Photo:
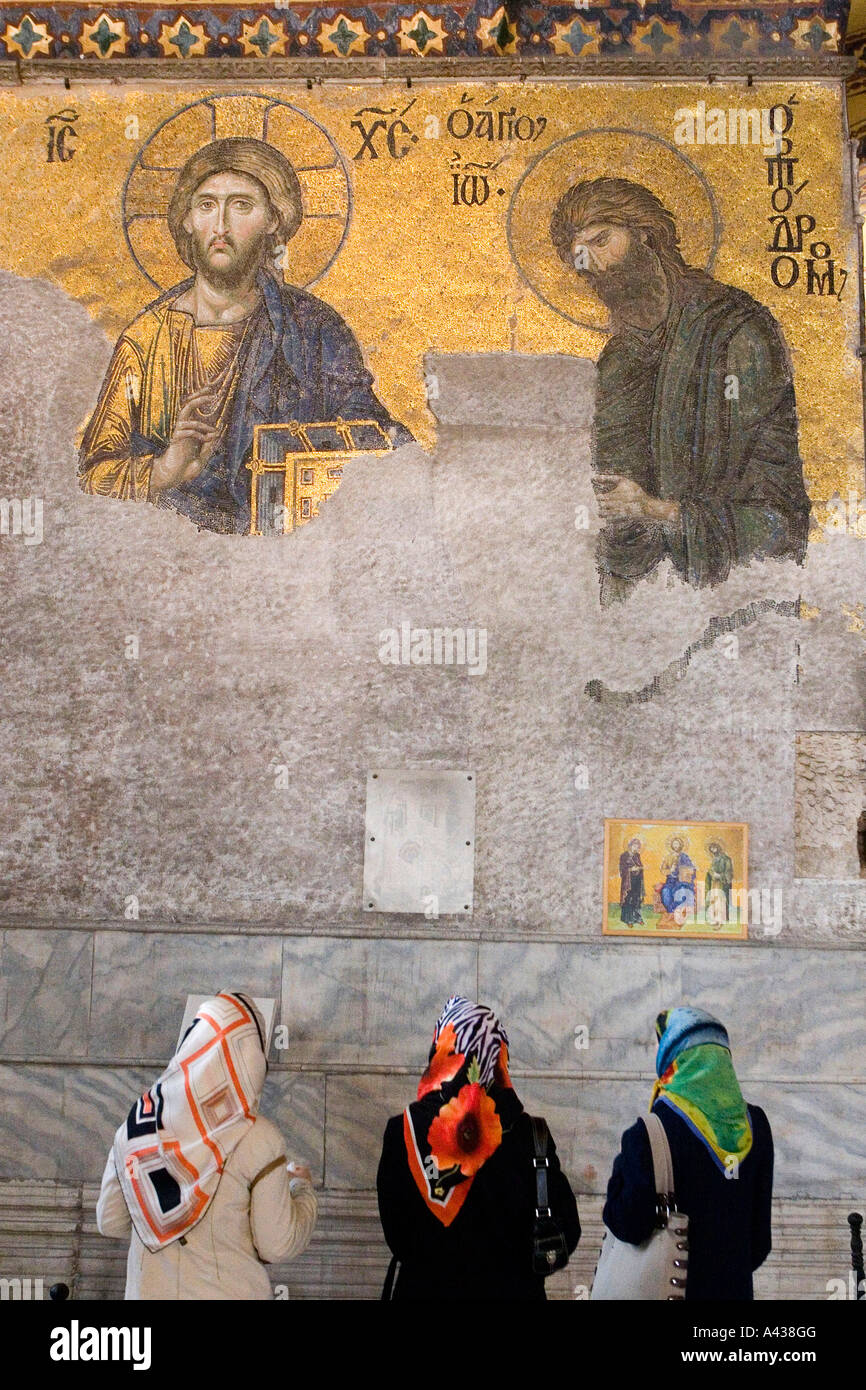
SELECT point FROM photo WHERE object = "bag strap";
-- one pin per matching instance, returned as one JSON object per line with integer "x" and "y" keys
{"x": 268, "y": 1168}
{"x": 388, "y": 1289}
{"x": 541, "y": 1164}
{"x": 663, "y": 1168}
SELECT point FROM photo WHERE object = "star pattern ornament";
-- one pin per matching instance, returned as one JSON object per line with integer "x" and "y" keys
{"x": 818, "y": 35}
{"x": 343, "y": 36}
{"x": 264, "y": 38}
{"x": 421, "y": 34}
{"x": 575, "y": 39}
{"x": 658, "y": 37}
{"x": 27, "y": 38}
{"x": 182, "y": 39}
{"x": 665, "y": 33}
{"x": 104, "y": 37}
{"x": 731, "y": 35}
{"x": 497, "y": 32}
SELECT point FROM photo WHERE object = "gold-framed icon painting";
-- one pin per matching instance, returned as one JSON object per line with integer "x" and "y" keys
{"x": 676, "y": 878}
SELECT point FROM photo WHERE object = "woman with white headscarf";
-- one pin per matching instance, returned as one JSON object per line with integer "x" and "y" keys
{"x": 197, "y": 1179}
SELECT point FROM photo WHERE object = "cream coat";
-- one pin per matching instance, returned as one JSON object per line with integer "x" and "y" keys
{"x": 247, "y": 1222}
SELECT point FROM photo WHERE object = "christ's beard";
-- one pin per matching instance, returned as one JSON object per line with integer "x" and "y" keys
{"x": 634, "y": 290}
{"x": 239, "y": 271}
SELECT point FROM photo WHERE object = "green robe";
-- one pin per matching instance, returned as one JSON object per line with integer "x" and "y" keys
{"x": 730, "y": 457}
{"x": 723, "y": 867}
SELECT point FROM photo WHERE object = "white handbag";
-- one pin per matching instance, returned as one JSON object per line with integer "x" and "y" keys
{"x": 658, "y": 1267}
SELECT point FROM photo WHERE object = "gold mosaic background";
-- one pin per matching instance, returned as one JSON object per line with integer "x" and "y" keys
{"x": 418, "y": 274}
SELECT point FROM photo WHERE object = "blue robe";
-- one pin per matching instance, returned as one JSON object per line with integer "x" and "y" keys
{"x": 300, "y": 361}
{"x": 676, "y": 893}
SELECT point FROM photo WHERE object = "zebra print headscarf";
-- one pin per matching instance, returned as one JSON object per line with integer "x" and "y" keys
{"x": 477, "y": 1033}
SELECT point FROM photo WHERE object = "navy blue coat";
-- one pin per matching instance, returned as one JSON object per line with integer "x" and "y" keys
{"x": 729, "y": 1218}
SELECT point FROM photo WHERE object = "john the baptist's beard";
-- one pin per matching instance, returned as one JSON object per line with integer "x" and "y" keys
{"x": 228, "y": 273}
{"x": 637, "y": 279}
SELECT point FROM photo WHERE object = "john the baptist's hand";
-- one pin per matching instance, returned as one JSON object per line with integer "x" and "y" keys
{"x": 620, "y": 497}
{"x": 192, "y": 442}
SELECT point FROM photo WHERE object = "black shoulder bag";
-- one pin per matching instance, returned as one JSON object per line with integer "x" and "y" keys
{"x": 549, "y": 1250}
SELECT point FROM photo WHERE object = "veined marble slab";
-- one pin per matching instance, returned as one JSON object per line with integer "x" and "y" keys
{"x": 45, "y": 980}
{"x": 141, "y": 980}
{"x": 59, "y": 1123}
{"x": 373, "y": 1002}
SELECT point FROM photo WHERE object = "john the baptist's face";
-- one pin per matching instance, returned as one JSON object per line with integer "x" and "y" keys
{"x": 599, "y": 246}
{"x": 229, "y": 222}
{"x": 615, "y": 260}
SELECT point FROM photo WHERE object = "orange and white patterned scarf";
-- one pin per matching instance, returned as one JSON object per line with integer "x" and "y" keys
{"x": 171, "y": 1150}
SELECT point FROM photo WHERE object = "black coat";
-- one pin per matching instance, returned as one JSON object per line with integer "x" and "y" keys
{"x": 729, "y": 1218}
{"x": 486, "y": 1252}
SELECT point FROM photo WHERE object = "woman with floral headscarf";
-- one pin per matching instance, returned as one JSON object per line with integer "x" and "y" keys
{"x": 196, "y": 1179}
{"x": 722, "y": 1154}
{"x": 456, "y": 1182}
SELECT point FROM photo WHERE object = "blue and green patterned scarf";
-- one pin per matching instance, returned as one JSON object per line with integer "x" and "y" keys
{"x": 696, "y": 1077}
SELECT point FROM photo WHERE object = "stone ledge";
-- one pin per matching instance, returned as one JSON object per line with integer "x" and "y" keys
{"x": 347, "y": 1257}
{"x": 319, "y": 928}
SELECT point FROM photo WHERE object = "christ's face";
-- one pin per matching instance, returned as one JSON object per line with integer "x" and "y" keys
{"x": 229, "y": 222}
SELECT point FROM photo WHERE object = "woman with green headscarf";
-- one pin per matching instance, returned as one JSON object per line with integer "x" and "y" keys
{"x": 722, "y": 1154}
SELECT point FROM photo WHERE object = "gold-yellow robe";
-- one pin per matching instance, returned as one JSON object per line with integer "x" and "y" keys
{"x": 158, "y": 361}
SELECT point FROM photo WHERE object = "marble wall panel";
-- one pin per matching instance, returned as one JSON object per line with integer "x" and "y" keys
{"x": 141, "y": 980}
{"x": 45, "y": 979}
{"x": 358, "y": 1109}
{"x": 585, "y": 1118}
{"x": 295, "y": 1101}
{"x": 790, "y": 1014}
{"x": 59, "y": 1122}
{"x": 369, "y": 1002}
{"x": 818, "y": 1135}
{"x": 544, "y": 992}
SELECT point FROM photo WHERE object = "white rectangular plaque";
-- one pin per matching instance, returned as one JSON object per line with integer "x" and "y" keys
{"x": 419, "y": 849}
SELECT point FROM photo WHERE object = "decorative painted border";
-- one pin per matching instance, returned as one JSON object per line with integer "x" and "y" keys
{"x": 653, "y": 31}
{"x": 855, "y": 45}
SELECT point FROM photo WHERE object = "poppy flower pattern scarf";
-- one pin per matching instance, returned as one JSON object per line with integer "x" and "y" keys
{"x": 455, "y": 1126}
{"x": 171, "y": 1149}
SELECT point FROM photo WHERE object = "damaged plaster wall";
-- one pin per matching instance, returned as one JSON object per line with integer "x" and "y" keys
{"x": 155, "y": 780}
